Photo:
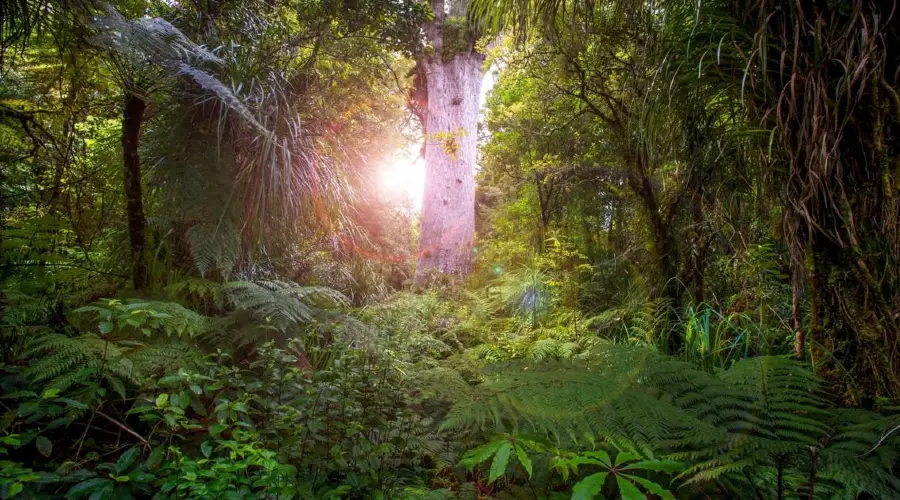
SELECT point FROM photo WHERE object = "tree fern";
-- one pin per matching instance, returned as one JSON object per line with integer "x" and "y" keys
{"x": 281, "y": 304}
{"x": 760, "y": 419}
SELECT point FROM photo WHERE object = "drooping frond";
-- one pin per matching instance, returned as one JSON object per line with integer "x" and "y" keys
{"x": 281, "y": 166}
{"x": 615, "y": 395}
{"x": 280, "y": 303}
{"x": 214, "y": 247}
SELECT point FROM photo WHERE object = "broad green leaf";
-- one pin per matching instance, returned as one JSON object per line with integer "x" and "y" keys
{"x": 206, "y": 449}
{"x": 655, "y": 488}
{"x": 155, "y": 458}
{"x": 170, "y": 379}
{"x": 106, "y": 327}
{"x": 524, "y": 459}
{"x": 482, "y": 453}
{"x": 15, "y": 489}
{"x": 44, "y": 446}
{"x": 216, "y": 429}
{"x": 625, "y": 456}
{"x": 501, "y": 461}
{"x": 628, "y": 490}
{"x": 589, "y": 487}
{"x": 600, "y": 455}
{"x": 104, "y": 492}
{"x": 85, "y": 487}
{"x": 127, "y": 459}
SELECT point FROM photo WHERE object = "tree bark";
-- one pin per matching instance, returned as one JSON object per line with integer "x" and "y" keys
{"x": 132, "y": 118}
{"x": 453, "y": 81}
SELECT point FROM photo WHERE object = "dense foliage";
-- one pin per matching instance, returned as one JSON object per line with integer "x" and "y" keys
{"x": 685, "y": 280}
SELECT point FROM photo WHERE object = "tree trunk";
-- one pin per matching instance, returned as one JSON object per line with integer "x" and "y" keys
{"x": 453, "y": 81}
{"x": 134, "y": 203}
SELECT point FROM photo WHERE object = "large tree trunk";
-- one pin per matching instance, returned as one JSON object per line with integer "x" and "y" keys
{"x": 453, "y": 84}
{"x": 132, "y": 117}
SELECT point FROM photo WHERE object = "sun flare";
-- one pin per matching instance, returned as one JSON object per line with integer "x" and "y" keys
{"x": 402, "y": 177}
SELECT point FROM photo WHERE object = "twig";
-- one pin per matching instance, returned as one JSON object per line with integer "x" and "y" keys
{"x": 125, "y": 428}
{"x": 881, "y": 441}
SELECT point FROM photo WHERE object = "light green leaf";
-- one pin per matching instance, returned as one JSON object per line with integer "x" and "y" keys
{"x": 15, "y": 489}
{"x": 476, "y": 456}
{"x": 162, "y": 399}
{"x": 628, "y": 490}
{"x": 501, "y": 461}
{"x": 589, "y": 487}
{"x": 50, "y": 393}
{"x": 524, "y": 459}
{"x": 206, "y": 449}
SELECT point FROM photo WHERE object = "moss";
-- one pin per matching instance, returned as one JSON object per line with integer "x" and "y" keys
{"x": 457, "y": 38}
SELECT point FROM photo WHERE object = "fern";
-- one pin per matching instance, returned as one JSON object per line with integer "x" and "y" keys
{"x": 641, "y": 322}
{"x": 758, "y": 419}
{"x": 61, "y": 358}
{"x": 280, "y": 304}
{"x": 214, "y": 247}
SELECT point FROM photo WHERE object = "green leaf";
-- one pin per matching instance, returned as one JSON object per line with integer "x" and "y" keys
{"x": 50, "y": 393}
{"x": 106, "y": 327}
{"x": 44, "y": 445}
{"x": 501, "y": 461}
{"x": 85, "y": 487}
{"x": 116, "y": 385}
{"x": 59, "y": 422}
{"x": 628, "y": 490}
{"x": 669, "y": 466}
{"x": 162, "y": 399}
{"x": 15, "y": 489}
{"x": 7, "y": 420}
{"x": 624, "y": 456}
{"x": 127, "y": 459}
{"x": 476, "y": 456}
{"x": 216, "y": 429}
{"x": 155, "y": 458}
{"x": 104, "y": 492}
{"x": 206, "y": 449}
{"x": 655, "y": 488}
{"x": 523, "y": 458}
{"x": 19, "y": 395}
{"x": 600, "y": 455}
{"x": 589, "y": 487}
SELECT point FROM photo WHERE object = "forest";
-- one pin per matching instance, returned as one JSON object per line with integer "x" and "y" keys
{"x": 655, "y": 253}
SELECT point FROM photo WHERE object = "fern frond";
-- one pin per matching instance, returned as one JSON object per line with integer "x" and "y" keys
{"x": 214, "y": 247}
{"x": 280, "y": 303}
